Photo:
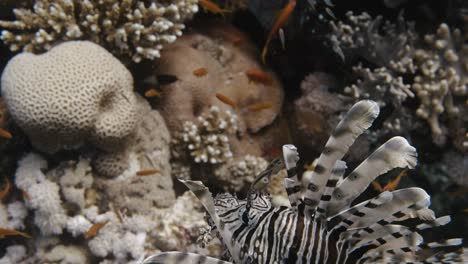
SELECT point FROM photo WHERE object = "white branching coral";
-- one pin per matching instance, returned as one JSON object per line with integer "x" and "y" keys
{"x": 361, "y": 35}
{"x": 379, "y": 84}
{"x": 128, "y": 28}
{"x": 433, "y": 69}
{"x": 207, "y": 141}
{"x": 239, "y": 173}
{"x": 180, "y": 225}
{"x": 442, "y": 78}
{"x": 50, "y": 215}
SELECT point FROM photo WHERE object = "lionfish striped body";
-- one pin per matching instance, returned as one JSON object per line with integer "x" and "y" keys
{"x": 321, "y": 225}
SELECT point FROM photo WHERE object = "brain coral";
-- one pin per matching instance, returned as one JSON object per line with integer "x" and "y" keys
{"x": 76, "y": 92}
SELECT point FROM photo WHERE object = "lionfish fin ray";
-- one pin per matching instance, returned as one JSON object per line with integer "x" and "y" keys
{"x": 356, "y": 121}
{"x": 395, "y": 153}
{"x": 206, "y": 198}
{"x": 175, "y": 257}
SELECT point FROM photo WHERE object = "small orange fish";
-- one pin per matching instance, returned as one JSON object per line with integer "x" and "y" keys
{"x": 272, "y": 152}
{"x": 146, "y": 172}
{"x": 152, "y": 93}
{"x": 212, "y": 7}
{"x": 259, "y": 106}
{"x": 377, "y": 186}
{"x": 465, "y": 210}
{"x": 259, "y": 76}
{"x": 94, "y": 229}
{"x": 200, "y": 72}
{"x": 280, "y": 21}
{"x": 11, "y": 232}
{"x": 391, "y": 186}
{"x": 5, "y": 134}
{"x": 309, "y": 167}
{"x": 237, "y": 41}
{"x": 226, "y": 100}
{"x": 5, "y": 190}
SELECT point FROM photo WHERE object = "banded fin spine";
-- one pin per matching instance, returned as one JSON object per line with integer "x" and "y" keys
{"x": 180, "y": 258}
{"x": 291, "y": 183}
{"x": 395, "y": 153}
{"x": 356, "y": 121}
{"x": 336, "y": 175}
{"x": 206, "y": 198}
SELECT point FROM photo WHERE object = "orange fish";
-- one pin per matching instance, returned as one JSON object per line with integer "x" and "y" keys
{"x": 465, "y": 210}
{"x": 5, "y": 134}
{"x": 377, "y": 186}
{"x": 152, "y": 93}
{"x": 391, "y": 185}
{"x": 226, "y": 100}
{"x": 237, "y": 41}
{"x": 94, "y": 229}
{"x": 259, "y": 106}
{"x": 6, "y": 190}
{"x": 212, "y": 7}
{"x": 259, "y": 76}
{"x": 200, "y": 72}
{"x": 11, "y": 232}
{"x": 272, "y": 152}
{"x": 146, "y": 172}
{"x": 309, "y": 167}
{"x": 280, "y": 21}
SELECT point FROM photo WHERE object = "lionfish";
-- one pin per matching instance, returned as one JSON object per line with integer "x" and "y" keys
{"x": 321, "y": 225}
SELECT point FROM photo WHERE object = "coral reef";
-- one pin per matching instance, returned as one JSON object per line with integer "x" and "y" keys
{"x": 436, "y": 65}
{"x": 128, "y": 28}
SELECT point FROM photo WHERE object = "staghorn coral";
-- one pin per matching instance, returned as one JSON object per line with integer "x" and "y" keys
{"x": 237, "y": 174}
{"x": 442, "y": 79}
{"x": 128, "y": 28}
{"x": 207, "y": 140}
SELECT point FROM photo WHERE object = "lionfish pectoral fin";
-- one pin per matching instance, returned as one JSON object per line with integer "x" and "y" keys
{"x": 175, "y": 257}
{"x": 291, "y": 183}
{"x": 356, "y": 121}
{"x": 395, "y": 153}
